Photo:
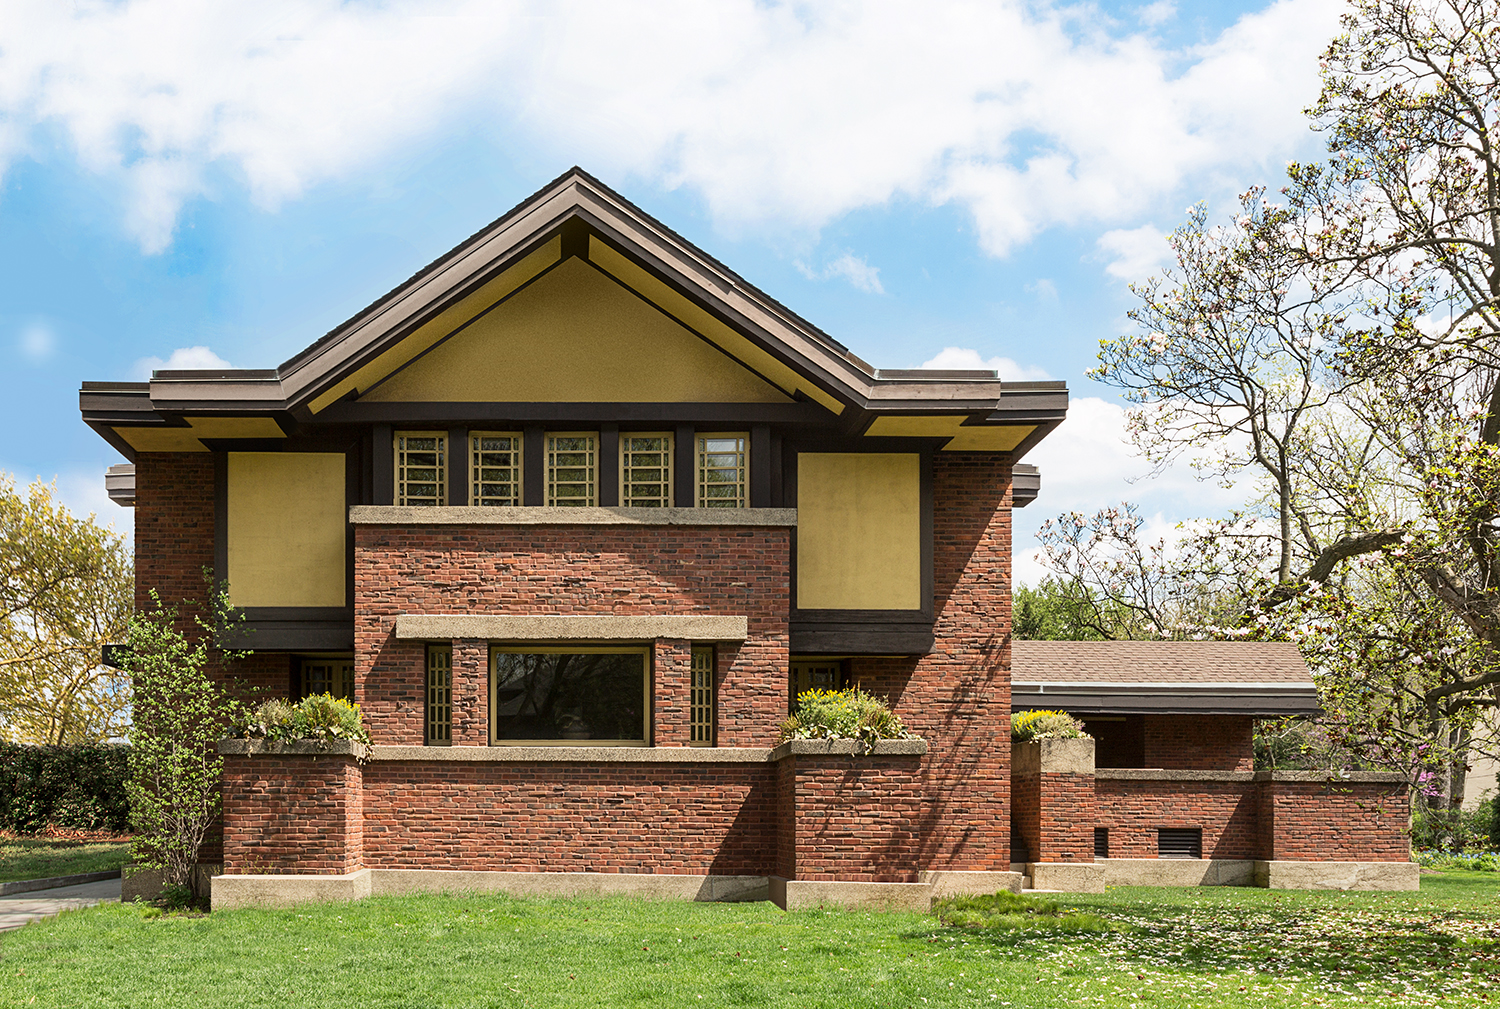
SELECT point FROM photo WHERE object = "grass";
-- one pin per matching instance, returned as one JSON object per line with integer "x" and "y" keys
{"x": 1012, "y": 912}
{"x": 40, "y": 857}
{"x": 1211, "y": 948}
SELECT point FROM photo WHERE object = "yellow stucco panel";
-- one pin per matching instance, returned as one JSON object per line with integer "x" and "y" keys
{"x": 961, "y": 439}
{"x": 444, "y": 323}
{"x": 286, "y": 529}
{"x": 859, "y": 531}
{"x": 576, "y": 335}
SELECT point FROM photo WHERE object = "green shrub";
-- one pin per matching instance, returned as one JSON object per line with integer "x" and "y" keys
{"x": 1454, "y": 829}
{"x": 842, "y": 714}
{"x": 318, "y": 716}
{"x": 1006, "y": 911}
{"x": 80, "y": 786}
{"x": 1476, "y": 861}
{"x": 1026, "y": 726}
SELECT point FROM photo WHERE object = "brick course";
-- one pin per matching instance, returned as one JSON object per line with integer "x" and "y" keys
{"x": 1335, "y": 821}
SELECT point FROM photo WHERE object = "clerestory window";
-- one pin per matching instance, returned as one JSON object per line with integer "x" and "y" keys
{"x": 573, "y": 469}
{"x": 495, "y": 468}
{"x": 421, "y": 468}
{"x": 646, "y": 470}
{"x": 723, "y": 471}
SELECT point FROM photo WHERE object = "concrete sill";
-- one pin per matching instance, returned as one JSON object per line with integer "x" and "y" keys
{"x": 293, "y": 747}
{"x": 848, "y": 748}
{"x": 456, "y": 515}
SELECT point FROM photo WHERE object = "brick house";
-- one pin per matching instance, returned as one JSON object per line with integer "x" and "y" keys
{"x": 573, "y": 514}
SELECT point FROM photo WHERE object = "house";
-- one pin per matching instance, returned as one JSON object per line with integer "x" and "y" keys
{"x": 573, "y": 514}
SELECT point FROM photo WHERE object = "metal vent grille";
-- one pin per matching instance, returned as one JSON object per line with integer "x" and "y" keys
{"x": 1179, "y": 842}
{"x": 1101, "y": 842}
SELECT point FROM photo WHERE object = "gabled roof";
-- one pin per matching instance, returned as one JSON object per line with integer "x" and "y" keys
{"x": 576, "y": 215}
{"x": 1122, "y": 677}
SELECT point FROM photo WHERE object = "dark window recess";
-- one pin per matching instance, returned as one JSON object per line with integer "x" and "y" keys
{"x": 1119, "y": 741}
{"x": 1179, "y": 842}
{"x": 1101, "y": 842}
{"x": 569, "y": 696}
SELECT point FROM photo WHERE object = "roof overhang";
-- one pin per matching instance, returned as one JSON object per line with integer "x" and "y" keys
{"x": 1266, "y": 700}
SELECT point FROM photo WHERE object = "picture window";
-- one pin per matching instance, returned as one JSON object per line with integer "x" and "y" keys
{"x": 569, "y": 696}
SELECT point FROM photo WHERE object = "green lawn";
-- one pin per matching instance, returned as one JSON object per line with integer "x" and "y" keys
{"x": 1214, "y": 948}
{"x": 39, "y": 857}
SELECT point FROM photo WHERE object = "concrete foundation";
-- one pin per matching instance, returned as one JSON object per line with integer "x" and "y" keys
{"x": 1177, "y": 871}
{"x": 1337, "y": 875}
{"x": 801, "y": 894}
{"x": 1074, "y": 877}
{"x": 950, "y": 883}
{"x": 145, "y": 884}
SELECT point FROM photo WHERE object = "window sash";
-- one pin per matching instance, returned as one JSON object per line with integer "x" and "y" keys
{"x": 701, "y": 697}
{"x": 495, "y": 463}
{"x": 421, "y": 468}
{"x": 572, "y": 469}
{"x": 513, "y": 699}
{"x": 723, "y": 470}
{"x": 439, "y": 731}
{"x": 646, "y": 470}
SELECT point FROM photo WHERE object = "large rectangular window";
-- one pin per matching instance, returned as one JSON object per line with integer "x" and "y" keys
{"x": 723, "y": 471}
{"x": 421, "y": 468}
{"x": 701, "y": 700}
{"x": 326, "y": 676}
{"x": 646, "y": 470}
{"x": 439, "y": 695}
{"x": 569, "y": 696}
{"x": 572, "y": 469}
{"x": 495, "y": 466}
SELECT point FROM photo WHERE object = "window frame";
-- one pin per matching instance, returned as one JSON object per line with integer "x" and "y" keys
{"x": 432, "y": 652}
{"x": 518, "y": 468}
{"x": 646, "y": 651}
{"x": 703, "y": 697}
{"x": 398, "y": 475}
{"x": 340, "y": 677}
{"x": 667, "y": 453}
{"x": 701, "y": 469}
{"x": 550, "y": 466}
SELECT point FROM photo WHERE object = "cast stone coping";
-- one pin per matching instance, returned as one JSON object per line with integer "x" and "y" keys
{"x": 499, "y": 627}
{"x": 470, "y": 515}
{"x": 575, "y": 754}
{"x": 1316, "y": 777}
{"x": 294, "y": 747}
{"x": 849, "y": 747}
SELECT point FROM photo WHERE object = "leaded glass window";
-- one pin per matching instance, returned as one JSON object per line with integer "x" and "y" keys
{"x": 421, "y": 468}
{"x": 572, "y": 469}
{"x": 723, "y": 480}
{"x": 495, "y": 466}
{"x": 646, "y": 470}
{"x": 701, "y": 700}
{"x": 439, "y": 694}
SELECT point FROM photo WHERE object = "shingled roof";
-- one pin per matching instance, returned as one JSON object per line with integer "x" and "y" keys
{"x": 1161, "y": 677}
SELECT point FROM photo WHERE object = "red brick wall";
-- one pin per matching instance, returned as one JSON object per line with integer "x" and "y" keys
{"x": 854, "y": 818}
{"x": 717, "y": 819}
{"x": 586, "y": 570}
{"x": 174, "y": 526}
{"x": 1055, "y": 816}
{"x": 1133, "y": 810}
{"x": 1200, "y": 742}
{"x": 958, "y": 698}
{"x": 292, "y": 814}
{"x": 671, "y": 693}
{"x": 1335, "y": 821}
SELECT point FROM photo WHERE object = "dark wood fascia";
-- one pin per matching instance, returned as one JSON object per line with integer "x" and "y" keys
{"x": 110, "y": 435}
{"x": 1031, "y": 440}
{"x": 684, "y": 465}
{"x": 292, "y": 629}
{"x": 860, "y": 639}
{"x": 608, "y": 480}
{"x": 801, "y": 414}
{"x": 221, "y": 518}
{"x": 458, "y": 465}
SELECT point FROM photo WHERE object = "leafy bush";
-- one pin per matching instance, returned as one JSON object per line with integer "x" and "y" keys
{"x": 1476, "y": 861}
{"x": 1006, "y": 911}
{"x": 842, "y": 714}
{"x": 1454, "y": 830}
{"x": 1026, "y": 726}
{"x": 80, "y": 786}
{"x": 318, "y": 716}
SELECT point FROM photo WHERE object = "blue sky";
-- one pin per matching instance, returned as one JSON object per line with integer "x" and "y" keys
{"x": 972, "y": 184}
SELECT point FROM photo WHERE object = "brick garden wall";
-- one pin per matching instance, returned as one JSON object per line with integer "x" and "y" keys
{"x": 1054, "y": 816}
{"x": 292, "y": 814}
{"x": 1335, "y": 821}
{"x": 1225, "y": 810}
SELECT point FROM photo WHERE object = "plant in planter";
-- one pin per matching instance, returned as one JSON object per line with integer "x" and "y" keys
{"x": 843, "y": 714}
{"x": 1028, "y": 726}
{"x": 320, "y": 717}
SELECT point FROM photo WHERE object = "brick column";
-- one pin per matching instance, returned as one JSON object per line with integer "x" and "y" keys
{"x": 672, "y": 678}
{"x": 1052, "y": 789}
{"x": 471, "y": 693}
{"x": 292, "y": 808}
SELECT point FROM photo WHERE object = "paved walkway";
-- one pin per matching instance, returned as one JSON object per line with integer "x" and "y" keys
{"x": 21, "y": 908}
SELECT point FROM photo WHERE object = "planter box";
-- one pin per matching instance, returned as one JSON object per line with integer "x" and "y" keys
{"x": 294, "y": 747}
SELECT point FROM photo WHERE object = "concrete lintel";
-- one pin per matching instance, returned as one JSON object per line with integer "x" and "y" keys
{"x": 1157, "y": 774}
{"x": 293, "y": 747}
{"x": 1073, "y": 877}
{"x": 848, "y": 747}
{"x": 1177, "y": 871}
{"x": 575, "y": 754}
{"x": 496, "y": 627}
{"x": 956, "y": 882}
{"x": 648, "y": 886}
{"x": 235, "y": 891}
{"x": 802, "y": 894}
{"x": 1279, "y": 875}
{"x": 452, "y": 515}
{"x": 1053, "y": 756}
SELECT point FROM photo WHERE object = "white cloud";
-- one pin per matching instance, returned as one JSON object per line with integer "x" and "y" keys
{"x": 1134, "y": 254}
{"x": 1044, "y": 289}
{"x": 962, "y": 358}
{"x": 850, "y": 267}
{"x": 181, "y": 359}
{"x": 779, "y": 115}
{"x": 37, "y": 342}
{"x": 1157, "y": 13}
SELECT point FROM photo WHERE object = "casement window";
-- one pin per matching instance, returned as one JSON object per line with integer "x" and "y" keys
{"x": 573, "y": 696}
{"x": 439, "y": 731}
{"x": 701, "y": 696}
{"x": 326, "y": 676}
{"x": 815, "y": 674}
{"x": 645, "y": 470}
{"x": 495, "y": 468}
{"x": 723, "y": 471}
{"x": 573, "y": 469}
{"x": 421, "y": 467}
